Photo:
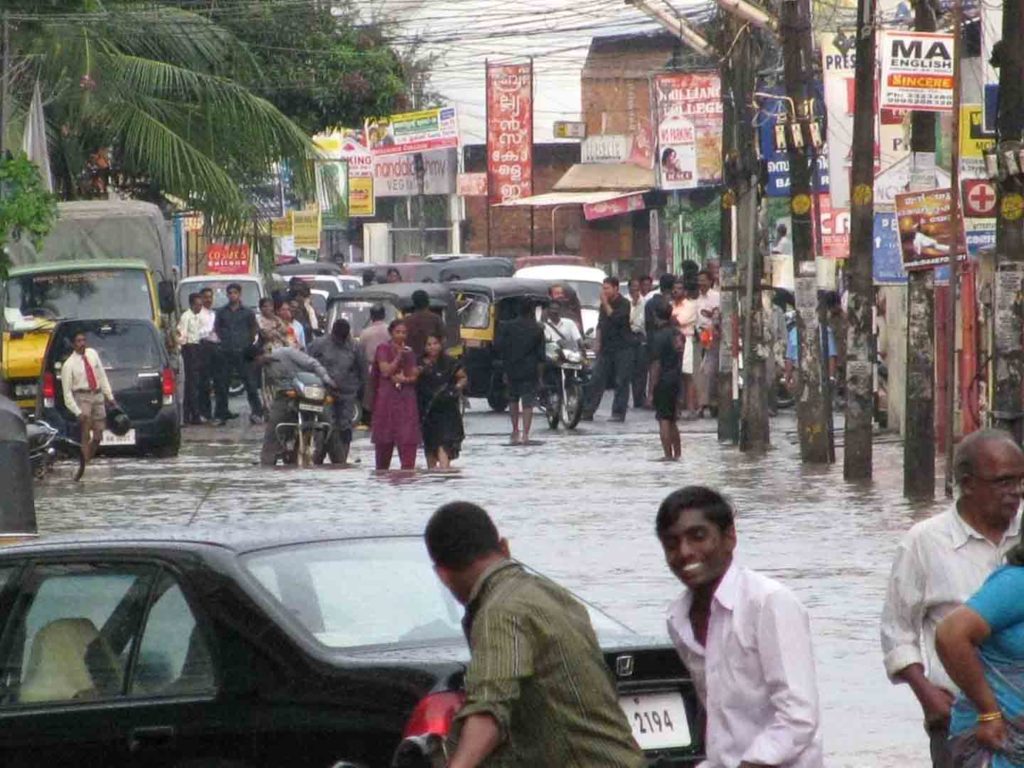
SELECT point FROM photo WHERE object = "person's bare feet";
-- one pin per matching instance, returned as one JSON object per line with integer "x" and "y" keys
{"x": 515, "y": 439}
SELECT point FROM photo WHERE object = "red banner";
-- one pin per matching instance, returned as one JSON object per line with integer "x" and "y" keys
{"x": 614, "y": 207}
{"x": 227, "y": 258}
{"x": 509, "y": 131}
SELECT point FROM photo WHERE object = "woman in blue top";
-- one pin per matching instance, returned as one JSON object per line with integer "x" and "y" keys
{"x": 981, "y": 644}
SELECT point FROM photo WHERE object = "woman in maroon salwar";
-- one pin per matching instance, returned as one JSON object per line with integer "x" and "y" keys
{"x": 396, "y": 420}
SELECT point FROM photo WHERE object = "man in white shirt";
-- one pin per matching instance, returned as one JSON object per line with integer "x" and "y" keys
{"x": 560, "y": 332}
{"x": 745, "y": 639}
{"x": 190, "y": 330}
{"x": 86, "y": 393}
{"x": 637, "y": 304}
{"x": 941, "y": 562}
{"x": 209, "y": 354}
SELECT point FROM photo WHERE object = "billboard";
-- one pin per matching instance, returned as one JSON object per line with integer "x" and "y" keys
{"x": 689, "y": 117}
{"x": 509, "y": 131}
{"x": 926, "y": 228}
{"x": 395, "y": 175}
{"x": 361, "y": 202}
{"x": 917, "y": 71}
{"x": 411, "y": 132}
{"x": 227, "y": 258}
{"x": 777, "y": 158}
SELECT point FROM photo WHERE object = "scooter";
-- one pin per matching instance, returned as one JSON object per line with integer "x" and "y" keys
{"x": 48, "y": 449}
{"x": 304, "y": 441}
{"x": 564, "y": 395}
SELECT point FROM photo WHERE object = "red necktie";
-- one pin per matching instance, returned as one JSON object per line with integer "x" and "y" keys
{"x": 90, "y": 375}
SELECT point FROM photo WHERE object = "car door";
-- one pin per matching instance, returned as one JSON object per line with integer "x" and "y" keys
{"x": 66, "y": 645}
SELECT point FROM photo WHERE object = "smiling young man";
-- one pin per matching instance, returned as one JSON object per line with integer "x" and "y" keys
{"x": 745, "y": 638}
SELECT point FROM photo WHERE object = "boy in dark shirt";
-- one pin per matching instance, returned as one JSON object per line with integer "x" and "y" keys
{"x": 520, "y": 346}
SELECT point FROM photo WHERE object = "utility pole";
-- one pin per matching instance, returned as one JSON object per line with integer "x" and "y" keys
{"x": 919, "y": 444}
{"x": 1009, "y": 355}
{"x": 857, "y": 457}
{"x": 728, "y": 413}
{"x": 811, "y": 405}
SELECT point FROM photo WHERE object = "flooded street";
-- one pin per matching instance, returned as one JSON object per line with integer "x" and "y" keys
{"x": 580, "y": 507}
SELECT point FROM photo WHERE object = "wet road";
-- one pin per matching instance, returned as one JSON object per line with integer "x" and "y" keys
{"x": 580, "y": 507}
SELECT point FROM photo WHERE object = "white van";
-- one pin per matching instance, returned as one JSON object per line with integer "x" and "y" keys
{"x": 586, "y": 281}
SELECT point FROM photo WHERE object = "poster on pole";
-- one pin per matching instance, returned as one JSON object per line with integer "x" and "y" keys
{"x": 412, "y": 132}
{"x": 509, "y": 131}
{"x": 927, "y": 229}
{"x": 777, "y": 157}
{"x": 917, "y": 71}
{"x": 689, "y": 117}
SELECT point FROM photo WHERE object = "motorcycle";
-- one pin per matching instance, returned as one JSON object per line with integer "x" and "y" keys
{"x": 52, "y": 454}
{"x": 565, "y": 386}
{"x": 304, "y": 441}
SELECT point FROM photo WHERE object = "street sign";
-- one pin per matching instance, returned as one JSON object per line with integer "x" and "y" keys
{"x": 565, "y": 129}
{"x": 979, "y": 198}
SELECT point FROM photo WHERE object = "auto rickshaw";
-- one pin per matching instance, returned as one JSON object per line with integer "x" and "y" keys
{"x": 483, "y": 305}
{"x": 396, "y": 299}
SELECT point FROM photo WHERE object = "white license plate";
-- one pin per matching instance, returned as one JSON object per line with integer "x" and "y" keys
{"x": 658, "y": 720}
{"x": 109, "y": 438}
{"x": 311, "y": 408}
{"x": 25, "y": 390}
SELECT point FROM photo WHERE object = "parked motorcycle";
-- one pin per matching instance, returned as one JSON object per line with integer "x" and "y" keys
{"x": 304, "y": 441}
{"x": 565, "y": 386}
{"x": 53, "y": 455}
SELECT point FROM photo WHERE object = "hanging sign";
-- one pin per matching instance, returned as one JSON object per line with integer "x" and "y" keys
{"x": 510, "y": 131}
{"x": 412, "y": 132}
{"x": 689, "y": 111}
{"x": 926, "y": 228}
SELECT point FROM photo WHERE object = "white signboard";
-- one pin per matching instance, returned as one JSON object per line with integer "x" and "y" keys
{"x": 837, "y": 70}
{"x": 612, "y": 148}
{"x": 917, "y": 71}
{"x": 395, "y": 175}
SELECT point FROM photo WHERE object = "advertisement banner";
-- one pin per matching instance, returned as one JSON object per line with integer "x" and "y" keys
{"x": 979, "y": 198}
{"x": 471, "y": 185}
{"x": 887, "y": 261}
{"x": 607, "y": 148}
{"x": 281, "y": 227}
{"x": 395, "y": 176}
{"x": 778, "y": 158}
{"x": 979, "y": 235}
{"x": 306, "y": 228}
{"x": 608, "y": 208}
{"x": 361, "y": 202}
{"x": 689, "y": 110}
{"x": 974, "y": 140}
{"x": 227, "y": 258}
{"x": 510, "y": 131}
{"x": 917, "y": 71}
{"x": 991, "y": 33}
{"x": 411, "y": 132}
{"x": 926, "y": 228}
{"x": 837, "y": 68}
{"x": 835, "y": 229}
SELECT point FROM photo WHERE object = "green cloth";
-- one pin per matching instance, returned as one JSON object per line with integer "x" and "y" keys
{"x": 537, "y": 669}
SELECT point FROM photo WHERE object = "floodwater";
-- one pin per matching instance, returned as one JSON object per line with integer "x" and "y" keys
{"x": 580, "y": 507}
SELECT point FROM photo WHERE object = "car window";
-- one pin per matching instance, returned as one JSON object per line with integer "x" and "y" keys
{"x": 73, "y": 633}
{"x": 475, "y": 312}
{"x": 174, "y": 655}
{"x": 250, "y": 292}
{"x": 357, "y": 313}
{"x": 121, "y": 346}
{"x": 83, "y": 294}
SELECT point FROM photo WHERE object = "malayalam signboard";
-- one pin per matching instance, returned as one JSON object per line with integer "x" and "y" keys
{"x": 689, "y": 110}
{"x": 917, "y": 71}
{"x": 227, "y": 258}
{"x": 411, "y": 132}
{"x": 510, "y": 131}
{"x": 926, "y": 228}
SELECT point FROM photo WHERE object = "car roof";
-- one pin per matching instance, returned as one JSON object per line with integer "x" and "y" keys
{"x": 563, "y": 272}
{"x": 78, "y": 266}
{"x": 220, "y": 278}
{"x": 400, "y": 293}
{"x": 304, "y": 268}
{"x": 238, "y": 539}
{"x": 504, "y": 287}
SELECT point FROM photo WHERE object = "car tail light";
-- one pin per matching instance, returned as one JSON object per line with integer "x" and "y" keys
{"x": 434, "y": 714}
{"x": 49, "y": 390}
{"x": 167, "y": 385}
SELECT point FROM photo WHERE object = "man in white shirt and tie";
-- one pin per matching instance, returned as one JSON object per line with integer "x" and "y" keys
{"x": 944, "y": 560}
{"x": 86, "y": 393}
{"x": 745, "y": 639}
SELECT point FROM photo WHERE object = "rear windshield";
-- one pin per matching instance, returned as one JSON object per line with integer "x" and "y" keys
{"x": 83, "y": 295}
{"x": 250, "y": 292}
{"x": 348, "y": 594}
{"x": 589, "y": 293}
{"x": 120, "y": 346}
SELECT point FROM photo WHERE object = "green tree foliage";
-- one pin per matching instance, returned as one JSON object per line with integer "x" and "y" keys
{"x": 319, "y": 63}
{"x": 27, "y": 210}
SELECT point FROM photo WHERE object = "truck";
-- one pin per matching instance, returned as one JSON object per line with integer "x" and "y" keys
{"x": 103, "y": 260}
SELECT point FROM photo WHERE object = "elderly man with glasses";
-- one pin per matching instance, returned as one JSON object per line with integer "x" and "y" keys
{"x": 941, "y": 562}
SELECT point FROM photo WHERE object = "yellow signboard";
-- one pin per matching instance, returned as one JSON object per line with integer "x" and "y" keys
{"x": 973, "y": 140}
{"x": 281, "y": 227}
{"x": 361, "y": 202}
{"x": 306, "y": 228}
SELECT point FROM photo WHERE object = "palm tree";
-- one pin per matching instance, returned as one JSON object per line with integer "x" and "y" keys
{"x": 143, "y": 96}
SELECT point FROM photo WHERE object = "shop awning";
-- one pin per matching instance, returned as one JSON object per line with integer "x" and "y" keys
{"x": 614, "y": 177}
{"x": 549, "y": 199}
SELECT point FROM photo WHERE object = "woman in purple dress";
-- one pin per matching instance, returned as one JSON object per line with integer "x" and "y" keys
{"x": 396, "y": 420}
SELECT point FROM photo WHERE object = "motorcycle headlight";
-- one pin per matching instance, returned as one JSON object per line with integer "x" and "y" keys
{"x": 572, "y": 356}
{"x": 313, "y": 393}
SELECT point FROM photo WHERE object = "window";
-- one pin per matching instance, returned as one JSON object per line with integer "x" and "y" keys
{"x": 174, "y": 655}
{"x": 475, "y": 312}
{"x": 73, "y": 633}
{"x": 83, "y": 294}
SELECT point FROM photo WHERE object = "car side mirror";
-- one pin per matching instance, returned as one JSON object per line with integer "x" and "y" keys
{"x": 165, "y": 296}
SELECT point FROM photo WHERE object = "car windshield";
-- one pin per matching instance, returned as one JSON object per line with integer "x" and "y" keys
{"x": 361, "y": 592}
{"x": 358, "y": 314}
{"x": 589, "y": 293}
{"x": 250, "y": 292}
{"x": 120, "y": 346}
{"x": 83, "y": 295}
{"x": 474, "y": 311}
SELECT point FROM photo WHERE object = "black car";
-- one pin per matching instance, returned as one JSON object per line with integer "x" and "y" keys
{"x": 140, "y": 374}
{"x": 197, "y": 649}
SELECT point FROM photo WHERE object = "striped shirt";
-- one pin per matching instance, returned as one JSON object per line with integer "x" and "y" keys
{"x": 537, "y": 669}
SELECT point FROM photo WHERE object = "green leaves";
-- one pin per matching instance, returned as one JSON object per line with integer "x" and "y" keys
{"x": 26, "y": 208}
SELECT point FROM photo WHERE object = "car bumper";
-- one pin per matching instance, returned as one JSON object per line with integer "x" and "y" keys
{"x": 150, "y": 433}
